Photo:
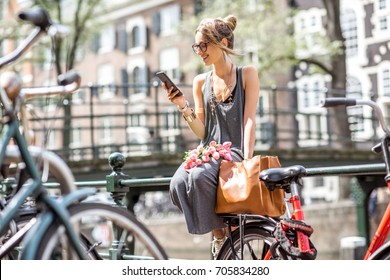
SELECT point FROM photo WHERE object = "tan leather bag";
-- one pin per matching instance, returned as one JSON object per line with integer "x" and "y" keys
{"x": 240, "y": 190}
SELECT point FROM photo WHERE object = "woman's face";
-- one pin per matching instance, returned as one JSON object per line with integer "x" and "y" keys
{"x": 207, "y": 51}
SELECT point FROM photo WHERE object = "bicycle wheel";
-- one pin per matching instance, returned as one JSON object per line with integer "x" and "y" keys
{"x": 114, "y": 233}
{"x": 53, "y": 168}
{"x": 256, "y": 244}
{"x": 10, "y": 241}
{"x": 382, "y": 253}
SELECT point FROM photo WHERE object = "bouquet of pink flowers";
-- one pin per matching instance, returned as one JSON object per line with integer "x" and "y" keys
{"x": 201, "y": 154}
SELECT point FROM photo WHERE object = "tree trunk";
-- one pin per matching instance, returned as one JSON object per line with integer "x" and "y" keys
{"x": 339, "y": 119}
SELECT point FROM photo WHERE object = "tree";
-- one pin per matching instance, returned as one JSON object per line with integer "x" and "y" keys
{"x": 78, "y": 15}
{"x": 333, "y": 63}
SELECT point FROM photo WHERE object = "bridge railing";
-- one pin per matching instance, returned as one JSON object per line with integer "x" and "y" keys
{"x": 121, "y": 187}
{"x": 137, "y": 120}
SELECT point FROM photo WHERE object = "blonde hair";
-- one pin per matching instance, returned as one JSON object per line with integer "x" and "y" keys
{"x": 214, "y": 30}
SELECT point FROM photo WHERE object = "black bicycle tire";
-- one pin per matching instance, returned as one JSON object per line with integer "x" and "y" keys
{"x": 382, "y": 253}
{"x": 120, "y": 215}
{"x": 385, "y": 255}
{"x": 252, "y": 231}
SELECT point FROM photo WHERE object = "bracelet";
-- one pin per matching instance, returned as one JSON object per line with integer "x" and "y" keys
{"x": 186, "y": 106}
{"x": 190, "y": 118}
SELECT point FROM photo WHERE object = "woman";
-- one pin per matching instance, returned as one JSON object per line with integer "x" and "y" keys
{"x": 225, "y": 102}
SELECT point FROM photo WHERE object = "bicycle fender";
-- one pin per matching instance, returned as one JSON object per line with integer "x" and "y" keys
{"x": 77, "y": 196}
{"x": 34, "y": 235}
{"x": 378, "y": 254}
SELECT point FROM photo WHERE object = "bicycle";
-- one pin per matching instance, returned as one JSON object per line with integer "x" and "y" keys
{"x": 260, "y": 237}
{"x": 288, "y": 237}
{"x": 378, "y": 248}
{"x": 63, "y": 227}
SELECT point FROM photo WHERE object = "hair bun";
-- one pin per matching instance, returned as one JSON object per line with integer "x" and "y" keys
{"x": 231, "y": 21}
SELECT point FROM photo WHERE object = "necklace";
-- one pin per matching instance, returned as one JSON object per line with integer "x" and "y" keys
{"x": 226, "y": 96}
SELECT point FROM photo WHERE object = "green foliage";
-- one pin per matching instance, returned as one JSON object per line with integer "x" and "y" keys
{"x": 264, "y": 36}
{"x": 79, "y": 16}
{"x": 261, "y": 35}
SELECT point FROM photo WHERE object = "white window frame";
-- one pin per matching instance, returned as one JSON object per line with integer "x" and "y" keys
{"x": 349, "y": 26}
{"x": 309, "y": 111}
{"x": 382, "y": 17}
{"x": 139, "y": 63}
{"x": 130, "y": 25}
{"x": 170, "y": 20}
{"x": 107, "y": 39}
{"x": 106, "y": 77}
{"x": 384, "y": 81}
{"x": 170, "y": 63}
{"x": 106, "y": 133}
{"x": 306, "y": 32}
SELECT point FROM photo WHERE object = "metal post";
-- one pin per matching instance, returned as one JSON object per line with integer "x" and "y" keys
{"x": 118, "y": 192}
{"x": 275, "y": 116}
{"x": 92, "y": 92}
{"x": 157, "y": 132}
{"x": 359, "y": 197}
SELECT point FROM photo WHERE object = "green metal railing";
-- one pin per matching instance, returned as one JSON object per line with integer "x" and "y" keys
{"x": 141, "y": 124}
{"x": 368, "y": 177}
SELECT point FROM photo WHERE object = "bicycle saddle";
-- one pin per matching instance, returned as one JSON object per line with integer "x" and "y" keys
{"x": 281, "y": 178}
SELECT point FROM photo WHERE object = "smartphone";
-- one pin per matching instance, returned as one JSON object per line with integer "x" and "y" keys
{"x": 168, "y": 82}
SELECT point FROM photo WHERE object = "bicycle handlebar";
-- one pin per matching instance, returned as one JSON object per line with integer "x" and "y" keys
{"x": 339, "y": 101}
{"x": 336, "y": 101}
{"x": 39, "y": 17}
{"x": 68, "y": 83}
{"x": 43, "y": 23}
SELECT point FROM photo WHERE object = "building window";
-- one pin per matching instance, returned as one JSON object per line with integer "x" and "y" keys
{"x": 305, "y": 99}
{"x": 138, "y": 77}
{"x": 76, "y": 136}
{"x": 169, "y": 19}
{"x": 135, "y": 37}
{"x": 106, "y": 78}
{"x": 355, "y": 113}
{"x": 383, "y": 23}
{"x": 382, "y": 13}
{"x": 170, "y": 63}
{"x": 386, "y": 82}
{"x": 382, "y": 4}
{"x": 105, "y": 130}
{"x": 138, "y": 39}
{"x": 308, "y": 32}
{"x": 349, "y": 29}
{"x": 107, "y": 39}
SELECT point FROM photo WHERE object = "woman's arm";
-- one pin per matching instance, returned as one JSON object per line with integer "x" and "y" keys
{"x": 197, "y": 125}
{"x": 194, "y": 115}
{"x": 252, "y": 91}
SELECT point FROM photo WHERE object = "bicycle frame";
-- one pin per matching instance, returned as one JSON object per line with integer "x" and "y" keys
{"x": 376, "y": 246}
{"x": 383, "y": 228}
{"x": 34, "y": 188}
{"x": 11, "y": 131}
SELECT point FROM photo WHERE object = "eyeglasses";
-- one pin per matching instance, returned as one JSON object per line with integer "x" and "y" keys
{"x": 202, "y": 46}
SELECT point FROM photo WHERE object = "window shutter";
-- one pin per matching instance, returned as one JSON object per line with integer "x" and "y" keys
{"x": 156, "y": 20}
{"x": 95, "y": 45}
{"x": 125, "y": 83}
{"x": 122, "y": 38}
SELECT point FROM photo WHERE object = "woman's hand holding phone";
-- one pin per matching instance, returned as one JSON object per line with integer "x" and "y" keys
{"x": 174, "y": 95}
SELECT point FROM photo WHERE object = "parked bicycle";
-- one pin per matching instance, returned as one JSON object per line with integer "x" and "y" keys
{"x": 378, "y": 249}
{"x": 259, "y": 237}
{"x": 62, "y": 227}
{"x": 288, "y": 237}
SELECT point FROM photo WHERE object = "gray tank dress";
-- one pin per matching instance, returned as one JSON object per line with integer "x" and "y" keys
{"x": 194, "y": 191}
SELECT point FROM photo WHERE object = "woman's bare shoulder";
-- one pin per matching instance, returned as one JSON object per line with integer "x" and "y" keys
{"x": 199, "y": 79}
{"x": 249, "y": 70}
